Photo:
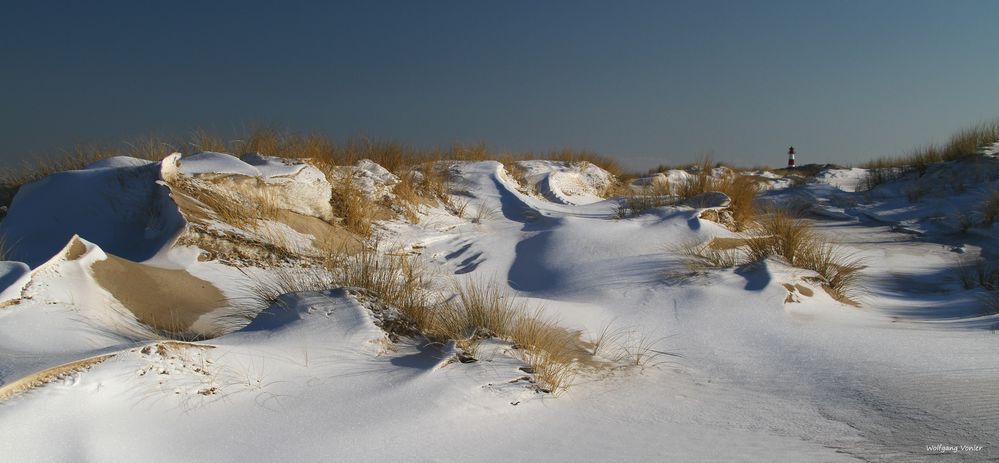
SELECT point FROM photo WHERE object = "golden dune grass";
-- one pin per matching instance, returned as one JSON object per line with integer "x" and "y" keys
{"x": 777, "y": 233}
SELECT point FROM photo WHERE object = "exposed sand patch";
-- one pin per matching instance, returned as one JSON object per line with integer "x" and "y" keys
{"x": 324, "y": 236}
{"x": 165, "y": 299}
{"x": 804, "y": 290}
{"x": 76, "y": 249}
{"x": 189, "y": 208}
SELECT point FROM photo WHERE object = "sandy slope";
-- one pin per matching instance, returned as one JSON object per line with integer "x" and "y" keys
{"x": 747, "y": 377}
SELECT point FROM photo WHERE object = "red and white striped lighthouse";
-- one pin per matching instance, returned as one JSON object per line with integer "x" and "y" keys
{"x": 790, "y": 158}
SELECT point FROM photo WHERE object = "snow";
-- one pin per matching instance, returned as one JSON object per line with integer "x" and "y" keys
{"x": 119, "y": 206}
{"x": 567, "y": 182}
{"x": 737, "y": 374}
{"x": 844, "y": 179}
{"x": 373, "y": 180}
{"x": 216, "y": 163}
{"x": 117, "y": 162}
{"x": 287, "y": 184}
{"x": 13, "y": 277}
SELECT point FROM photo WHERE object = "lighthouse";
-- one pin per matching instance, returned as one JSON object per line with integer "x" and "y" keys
{"x": 790, "y": 158}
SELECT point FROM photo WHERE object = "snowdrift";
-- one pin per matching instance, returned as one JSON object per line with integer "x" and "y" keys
{"x": 116, "y": 203}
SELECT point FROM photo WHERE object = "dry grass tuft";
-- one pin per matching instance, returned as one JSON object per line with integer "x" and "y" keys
{"x": 741, "y": 190}
{"x": 779, "y": 234}
{"x": 406, "y": 190}
{"x": 703, "y": 255}
{"x": 483, "y": 213}
{"x": 964, "y": 144}
{"x": 241, "y": 211}
{"x": 638, "y": 200}
{"x": 551, "y": 351}
{"x": 575, "y": 156}
{"x": 396, "y": 280}
{"x": 639, "y": 349}
{"x": 150, "y": 148}
{"x": 261, "y": 139}
{"x": 351, "y": 205}
{"x": 978, "y": 273}
{"x": 461, "y": 152}
{"x": 990, "y": 207}
{"x": 474, "y": 310}
{"x": 459, "y": 207}
{"x": 981, "y": 273}
{"x": 793, "y": 239}
{"x": 883, "y": 170}
{"x": 969, "y": 141}
{"x": 481, "y": 309}
{"x": 428, "y": 183}
{"x": 697, "y": 184}
{"x": 202, "y": 140}
{"x": 435, "y": 182}
{"x": 840, "y": 271}
{"x": 478, "y": 309}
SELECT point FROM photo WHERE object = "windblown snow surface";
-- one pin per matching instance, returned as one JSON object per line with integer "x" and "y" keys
{"x": 738, "y": 373}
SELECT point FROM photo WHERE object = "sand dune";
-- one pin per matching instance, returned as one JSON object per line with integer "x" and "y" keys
{"x": 166, "y": 299}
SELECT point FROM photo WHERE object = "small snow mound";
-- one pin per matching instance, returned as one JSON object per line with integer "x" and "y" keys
{"x": 333, "y": 318}
{"x": 567, "y": 182}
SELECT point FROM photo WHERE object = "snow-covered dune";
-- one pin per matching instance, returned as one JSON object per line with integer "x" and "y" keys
{"x": 116, "y": 203}
{"x": 748, "y": 363}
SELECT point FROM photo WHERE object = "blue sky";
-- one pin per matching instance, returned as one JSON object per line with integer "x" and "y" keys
{"x": 648, "y": 82}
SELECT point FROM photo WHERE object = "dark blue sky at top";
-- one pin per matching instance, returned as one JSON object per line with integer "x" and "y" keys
{"x": 648, "y": 82}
